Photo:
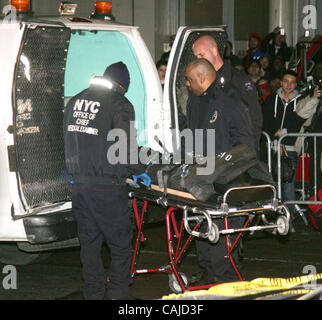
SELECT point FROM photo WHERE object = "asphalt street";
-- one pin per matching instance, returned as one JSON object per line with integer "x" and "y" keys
{"x": 58, "y": 277}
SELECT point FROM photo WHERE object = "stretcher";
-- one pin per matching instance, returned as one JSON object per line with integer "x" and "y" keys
{"x": 184, "y": 215}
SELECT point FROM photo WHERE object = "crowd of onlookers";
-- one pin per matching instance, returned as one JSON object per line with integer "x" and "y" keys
{"x": 265, "y": 61}
{"x": 271, "y": 66}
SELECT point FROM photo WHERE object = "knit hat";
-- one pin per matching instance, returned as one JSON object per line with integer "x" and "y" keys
{"x": 118, "y": 73}
{"x": 256, "y": 36}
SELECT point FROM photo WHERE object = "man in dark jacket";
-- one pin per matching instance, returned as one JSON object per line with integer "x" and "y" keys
{"x": 206, "y": 47}
{"x": 99, "y": 195}
{"x": 218, "y": 109}
{"x": 275, "y": 45}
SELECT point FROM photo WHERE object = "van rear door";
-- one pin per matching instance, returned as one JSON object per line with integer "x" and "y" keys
{"x": 175, "y": 91}
{"x": 38, "y": 104}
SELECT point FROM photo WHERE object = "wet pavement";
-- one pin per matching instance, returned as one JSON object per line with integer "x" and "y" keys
{"x": 58, "y": 277}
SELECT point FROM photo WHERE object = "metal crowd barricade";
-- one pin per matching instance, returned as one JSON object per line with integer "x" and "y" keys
{"x": 269, "y": 150}
{"x": 279, "y": 183}
{"x": 313, "y": 157}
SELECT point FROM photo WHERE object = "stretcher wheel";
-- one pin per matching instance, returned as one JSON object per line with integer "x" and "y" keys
{"x": 283, "y": 225}
{"x": 213, "y": 233}
{"x": 284, "y": 211}
{"x": 174, "y": 284}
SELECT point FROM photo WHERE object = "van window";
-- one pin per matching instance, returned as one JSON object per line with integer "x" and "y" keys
{"x": 90, "y": 52}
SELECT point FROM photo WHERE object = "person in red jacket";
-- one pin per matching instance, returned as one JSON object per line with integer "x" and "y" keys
{"x": 254, "y": 49}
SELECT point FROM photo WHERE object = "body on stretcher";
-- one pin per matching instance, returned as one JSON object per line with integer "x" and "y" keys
{"x": 184, "y": 215}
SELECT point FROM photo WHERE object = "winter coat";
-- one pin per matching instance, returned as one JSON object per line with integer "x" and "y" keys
{"x": 278, "y": 114}
{"x": 88, "y": 120}
{"x": 306, "y": 109}
{"x": 219, "y": 108}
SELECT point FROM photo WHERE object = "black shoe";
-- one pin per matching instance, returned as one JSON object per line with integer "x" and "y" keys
{"x": 196, "y": 276}
{"x": 201, "y": 278}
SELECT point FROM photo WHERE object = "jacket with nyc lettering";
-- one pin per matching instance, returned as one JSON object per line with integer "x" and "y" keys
{"x": 219, "y": 109}
{"x": 88, "y": 119}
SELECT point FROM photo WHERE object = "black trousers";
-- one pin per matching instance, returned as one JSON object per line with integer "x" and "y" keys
{"x": 102, "y": 214}
{"x": 211, "y": 257}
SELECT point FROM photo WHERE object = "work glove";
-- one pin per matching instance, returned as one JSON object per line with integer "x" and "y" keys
{"x": 144, "y": 177}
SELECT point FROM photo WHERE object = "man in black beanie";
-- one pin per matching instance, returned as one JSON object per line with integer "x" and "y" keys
{"x": 99, "y": 196}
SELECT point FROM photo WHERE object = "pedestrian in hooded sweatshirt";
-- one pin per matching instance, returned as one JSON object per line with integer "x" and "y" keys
{"x": 281, "y": 116}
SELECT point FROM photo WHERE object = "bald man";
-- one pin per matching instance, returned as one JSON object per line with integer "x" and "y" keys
{"x": 206, "y": 47}
{"x": 219, "y": 109}
{"x": 200, "y": 74}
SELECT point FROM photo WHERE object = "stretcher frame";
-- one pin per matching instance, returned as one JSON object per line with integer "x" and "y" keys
{"x": 193, "y": 214}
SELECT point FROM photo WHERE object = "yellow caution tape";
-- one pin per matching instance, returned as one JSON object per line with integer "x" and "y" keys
{"x": 242, "y": 288}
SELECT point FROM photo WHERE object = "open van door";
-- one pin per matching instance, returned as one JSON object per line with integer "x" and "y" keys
{"x": 175, "y": 90}
{"x": 38, "y": 104}
{"x": 33, "y": 178}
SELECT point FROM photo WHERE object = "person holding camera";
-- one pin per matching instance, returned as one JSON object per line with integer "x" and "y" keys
{"x": 275, "y": 45}
{"x": 285, "y": 112}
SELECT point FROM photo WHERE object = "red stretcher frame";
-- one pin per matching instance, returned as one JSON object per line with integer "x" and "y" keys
{"x": 177, "y": 230}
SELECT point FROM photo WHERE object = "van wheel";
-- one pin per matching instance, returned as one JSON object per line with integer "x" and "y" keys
{"x": 10, "y": 254}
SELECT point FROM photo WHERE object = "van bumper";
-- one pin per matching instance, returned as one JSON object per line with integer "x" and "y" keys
{"x": 52, "y": 227}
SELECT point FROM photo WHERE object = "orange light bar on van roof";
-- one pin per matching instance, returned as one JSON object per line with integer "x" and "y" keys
{"x": 103, "y": 7}
{"x": 20, "y": 5}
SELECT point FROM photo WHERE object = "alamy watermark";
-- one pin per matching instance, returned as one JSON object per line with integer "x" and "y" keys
{"x": 123, "y": 147}
{"x": 311, "y": 272}
{"x": 124, "y": 150}
{"x": 310, "y": 19}
{"x": 9, "y": 281}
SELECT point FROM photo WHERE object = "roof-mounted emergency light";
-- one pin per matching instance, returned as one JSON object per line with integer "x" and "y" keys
{"x": 22, "y": 6}
{"x": 103, "y": 10}
{"x": 67, "y": 8}
{"x": 104, "y": 7}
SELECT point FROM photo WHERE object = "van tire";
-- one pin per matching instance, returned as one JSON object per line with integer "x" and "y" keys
{"x": 10, "y": 254}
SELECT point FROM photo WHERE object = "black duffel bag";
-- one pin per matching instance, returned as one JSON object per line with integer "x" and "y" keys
{"x": 229, "y": 166}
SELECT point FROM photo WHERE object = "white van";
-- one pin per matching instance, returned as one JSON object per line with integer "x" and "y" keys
{"x": 44, "y": 61}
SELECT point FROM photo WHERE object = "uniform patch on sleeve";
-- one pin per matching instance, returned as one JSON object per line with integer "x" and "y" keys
{"x": 214, "y": 117}
{"x": 249, "y": 86}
